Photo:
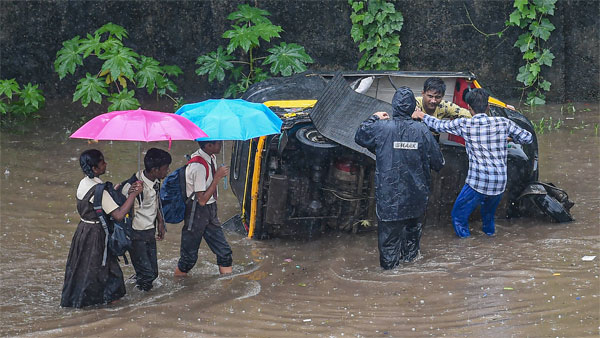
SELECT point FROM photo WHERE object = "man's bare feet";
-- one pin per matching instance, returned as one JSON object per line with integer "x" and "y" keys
{"x": 225, "y": 269}
{"x": 179, "y": 273}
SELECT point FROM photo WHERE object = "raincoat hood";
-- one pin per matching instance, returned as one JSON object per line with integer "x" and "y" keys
{"x": 403, "y": 103}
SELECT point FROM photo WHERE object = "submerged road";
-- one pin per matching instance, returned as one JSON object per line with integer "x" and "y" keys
{"x": 528, "y": 280}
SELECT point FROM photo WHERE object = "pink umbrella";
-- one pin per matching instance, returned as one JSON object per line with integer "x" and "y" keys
{"x": 139, "y": 125}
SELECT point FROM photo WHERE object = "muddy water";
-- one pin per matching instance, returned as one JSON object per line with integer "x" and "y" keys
{"x": 529, "y": 280}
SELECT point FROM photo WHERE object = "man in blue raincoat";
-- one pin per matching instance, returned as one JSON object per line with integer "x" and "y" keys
{"x": 406, "y": 152}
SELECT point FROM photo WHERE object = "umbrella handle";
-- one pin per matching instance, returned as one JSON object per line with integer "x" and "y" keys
{"x": 222, "y": 165}
{"x": 224, "y": 179}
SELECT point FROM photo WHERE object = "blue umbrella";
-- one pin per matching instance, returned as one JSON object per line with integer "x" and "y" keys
{"x": 227, "y": 119}
{"x": 231, "y": 119}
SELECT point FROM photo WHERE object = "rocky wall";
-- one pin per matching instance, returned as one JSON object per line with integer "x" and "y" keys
{"x": 437, "y": 35}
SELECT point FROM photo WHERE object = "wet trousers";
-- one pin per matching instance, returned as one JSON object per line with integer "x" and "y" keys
{"x": 205, "y": 225}
{"x": 398, "y": 241}
{"x": 143, "y": 258}
{"x": 466, "y": 202}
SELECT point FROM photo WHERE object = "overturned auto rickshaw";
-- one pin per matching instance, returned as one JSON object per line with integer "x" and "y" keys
{"x": 313, "y": 176}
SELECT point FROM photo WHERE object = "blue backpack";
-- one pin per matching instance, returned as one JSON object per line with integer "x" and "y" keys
{"x": 172, "y": 192}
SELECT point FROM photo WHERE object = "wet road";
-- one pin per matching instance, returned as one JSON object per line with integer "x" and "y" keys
{"x": 529, "y": 280}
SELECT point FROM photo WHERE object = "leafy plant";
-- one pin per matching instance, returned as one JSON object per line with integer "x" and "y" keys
{"x": 251, "y": 27}
{"x": 121, "y": 71}
{"x": 539, "y": 126}
{"x": 375, "y": 27}
{"x": 569, "y": 108}
{"x": 546, "y": 125}
{"x": 19, "y": 103}
{"x": 532, "y": 16}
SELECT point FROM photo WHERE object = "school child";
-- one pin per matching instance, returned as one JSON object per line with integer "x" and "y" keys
{"x": 87, "y": 280}
{"x": 204, "y": 222}
{"x": 147, "y": 218}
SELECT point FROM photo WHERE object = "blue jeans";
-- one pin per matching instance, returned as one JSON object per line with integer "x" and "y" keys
{"x": 466, "y": 202}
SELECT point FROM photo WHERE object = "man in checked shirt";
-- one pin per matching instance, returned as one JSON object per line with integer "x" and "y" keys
{"x": 486, "y": 141}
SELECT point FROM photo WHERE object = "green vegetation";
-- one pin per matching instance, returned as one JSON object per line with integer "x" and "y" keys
{"x": 569, "y": 108}
{"x": 570, "y": 119}
{"x": 121, "y": 70}
{"x": 251, "y": 26}
{"x": 546, "y": 125}
{"x": 375, "y": 28}
{"x": 532, "y": 17}
{"x": 17, "y": 103}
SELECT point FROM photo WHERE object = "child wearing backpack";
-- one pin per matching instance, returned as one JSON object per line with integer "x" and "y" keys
{"x": 147, "y": 217}
{"x": 87, "y": 280}
{"x": 201, "y": 219}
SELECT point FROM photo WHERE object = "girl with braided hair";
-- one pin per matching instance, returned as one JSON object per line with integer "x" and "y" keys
{"x": 87, "y": 281}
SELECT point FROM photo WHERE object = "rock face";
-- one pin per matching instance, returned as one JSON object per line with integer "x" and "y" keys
{"x": 436, "y": 36}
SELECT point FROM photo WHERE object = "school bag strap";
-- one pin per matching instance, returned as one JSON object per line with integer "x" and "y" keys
{"x": 195, "y": 159}
{"x": 101, "y": 216}
{"x": 201, "y": 160}
{"x": 116, "y": 236}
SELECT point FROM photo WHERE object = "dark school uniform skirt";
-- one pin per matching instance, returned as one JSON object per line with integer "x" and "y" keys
{"x": 87, "y": 282}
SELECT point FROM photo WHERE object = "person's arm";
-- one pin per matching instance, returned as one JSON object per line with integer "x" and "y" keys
{"x": 451, "y": 110}
{"x": 438, "y": 125}
{"x": 366, "y": 135}
{"x": 203, "y": 196}
{"x": 518, "y": 134}
{"x": 119, "y": 213}
{"x": 160, "y": 227}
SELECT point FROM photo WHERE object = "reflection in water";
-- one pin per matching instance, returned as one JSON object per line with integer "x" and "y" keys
{"x": 528, "y": 280}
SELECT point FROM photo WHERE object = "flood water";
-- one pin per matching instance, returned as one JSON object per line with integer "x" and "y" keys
{"x": 528, "y": 280}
